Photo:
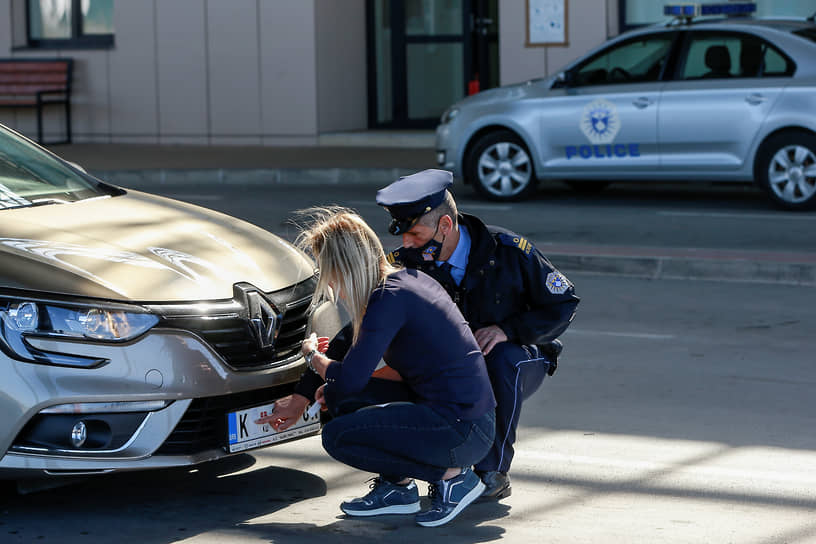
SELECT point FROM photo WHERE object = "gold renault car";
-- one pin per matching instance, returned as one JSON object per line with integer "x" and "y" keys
{"x": 138, "y": 331}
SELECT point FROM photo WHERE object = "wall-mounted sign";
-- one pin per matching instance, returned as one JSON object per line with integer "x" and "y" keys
{"x": 546, "y": 22}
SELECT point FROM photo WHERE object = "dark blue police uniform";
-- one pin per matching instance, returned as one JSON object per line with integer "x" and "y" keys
{"x": 508, "y": 283}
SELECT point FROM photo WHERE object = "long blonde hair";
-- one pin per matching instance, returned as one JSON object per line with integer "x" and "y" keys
{"x": 349, "y": 255}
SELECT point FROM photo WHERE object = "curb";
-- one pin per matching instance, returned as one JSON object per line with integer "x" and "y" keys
{"x": 686, "y": 264}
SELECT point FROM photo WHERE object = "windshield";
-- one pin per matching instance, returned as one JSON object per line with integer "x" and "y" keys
{"x": 809, "y": 33}
{"x": 31, "y": 177}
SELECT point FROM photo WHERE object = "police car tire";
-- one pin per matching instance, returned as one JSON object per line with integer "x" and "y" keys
{"x": 486, "y": 147}
{"x": 787, "y": 144}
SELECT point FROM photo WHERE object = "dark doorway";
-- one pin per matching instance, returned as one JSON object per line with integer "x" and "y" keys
{"x": 426, "y": 54}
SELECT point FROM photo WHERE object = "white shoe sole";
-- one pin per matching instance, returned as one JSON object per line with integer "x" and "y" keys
{"x": 412, "y": 508}
{"x": 474, "y": 494}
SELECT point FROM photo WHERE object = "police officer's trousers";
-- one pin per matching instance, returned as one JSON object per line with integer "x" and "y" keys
{"x": 515, "y": 372}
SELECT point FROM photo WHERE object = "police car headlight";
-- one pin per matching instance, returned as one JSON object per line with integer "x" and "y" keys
{"x": 449, "y": 115}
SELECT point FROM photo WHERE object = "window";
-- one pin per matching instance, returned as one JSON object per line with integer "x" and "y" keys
{"x": 70, "y": 23}
{"x": 634, "y": 61}
{"x": 733, "y": 55}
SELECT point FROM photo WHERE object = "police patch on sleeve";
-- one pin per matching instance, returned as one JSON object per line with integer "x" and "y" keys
{"x": 557, "y": 284}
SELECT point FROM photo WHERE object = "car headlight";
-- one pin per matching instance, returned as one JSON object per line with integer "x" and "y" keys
{"x": 24, "y": 319}
{"x": 96, "y": 323}
{"x": 449, "y": 114}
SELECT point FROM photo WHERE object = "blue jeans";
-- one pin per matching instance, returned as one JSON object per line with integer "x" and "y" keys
{"x": 404, "y": 439}
{"x": 515, "y": 374}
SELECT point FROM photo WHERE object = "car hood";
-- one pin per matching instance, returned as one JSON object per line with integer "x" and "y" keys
{"x": 533, "y": 87}
{"x": 141, "y": 247}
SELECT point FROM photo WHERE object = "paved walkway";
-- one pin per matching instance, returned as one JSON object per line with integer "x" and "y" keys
{"x": 371, "y": 157}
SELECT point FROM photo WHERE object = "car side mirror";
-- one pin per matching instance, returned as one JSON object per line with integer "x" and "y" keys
{"x": 563, "y": 79}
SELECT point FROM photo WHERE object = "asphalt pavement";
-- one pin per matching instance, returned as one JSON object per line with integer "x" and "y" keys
{"x": 377, "y": 158}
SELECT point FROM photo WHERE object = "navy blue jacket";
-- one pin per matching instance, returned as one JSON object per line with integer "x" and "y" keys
{"x": 508, "y": 283}
{"x": 412, "y": 324}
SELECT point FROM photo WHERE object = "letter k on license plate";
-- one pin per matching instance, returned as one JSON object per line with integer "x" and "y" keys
{"x": 245, "y": 434}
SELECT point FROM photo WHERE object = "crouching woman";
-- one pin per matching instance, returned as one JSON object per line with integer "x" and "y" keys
{"x": 434, "y": 423}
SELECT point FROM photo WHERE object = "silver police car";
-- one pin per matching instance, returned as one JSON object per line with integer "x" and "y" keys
{"x": 138, "y": 331}
{"x": 729, "y": 99}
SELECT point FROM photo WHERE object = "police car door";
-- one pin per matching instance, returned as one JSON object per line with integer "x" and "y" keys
{"x": 711, "y": 113}
{"x": 602, "y": 118}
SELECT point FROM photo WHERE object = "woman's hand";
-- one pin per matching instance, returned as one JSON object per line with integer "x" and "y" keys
{"x": 313, "y": 348}
{"x": 320, "y": 397}
{"x": 315, "y": 343}
{"x": 286, "y": 413}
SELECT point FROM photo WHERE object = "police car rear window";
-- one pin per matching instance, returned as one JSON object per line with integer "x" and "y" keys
{"x": 808, "y": 33}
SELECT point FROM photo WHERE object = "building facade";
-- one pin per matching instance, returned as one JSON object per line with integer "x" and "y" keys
{"x": 272, "y": 72}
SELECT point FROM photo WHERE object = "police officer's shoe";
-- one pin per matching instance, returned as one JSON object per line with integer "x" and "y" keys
{"x": 384, "y": 498}
{"x": 449, "y": 497}
{"x": 497, "y": 486}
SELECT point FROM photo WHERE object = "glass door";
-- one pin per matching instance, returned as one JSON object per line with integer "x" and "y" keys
{"x": 424, "y": 55}
{"x": 484, "y": 64}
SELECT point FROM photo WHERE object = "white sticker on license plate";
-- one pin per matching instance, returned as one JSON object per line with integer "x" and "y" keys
{"x": 245, "y": 434}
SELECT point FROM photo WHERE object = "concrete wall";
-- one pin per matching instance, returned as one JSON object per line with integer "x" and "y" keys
{"x": 589, "y": 23}
{"x": 199, "y": 71}
{"x": 341, "y": 65}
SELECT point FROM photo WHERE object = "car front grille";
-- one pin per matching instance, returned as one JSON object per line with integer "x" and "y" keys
{"x": 226, "y": 326}
{"x": 204, "y": 425}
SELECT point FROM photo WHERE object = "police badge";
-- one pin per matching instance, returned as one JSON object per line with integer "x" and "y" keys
{"x": 557, "y": 284}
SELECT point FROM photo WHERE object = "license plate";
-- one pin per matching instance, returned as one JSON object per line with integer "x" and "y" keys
{"x": 245, "y": 434}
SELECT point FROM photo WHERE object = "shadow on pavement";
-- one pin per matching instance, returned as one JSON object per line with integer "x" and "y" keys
{"x": 472, "y": 525}
{"x": 155, "y": 507}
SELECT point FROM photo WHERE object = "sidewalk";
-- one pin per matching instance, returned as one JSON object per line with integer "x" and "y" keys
{"x": 371, "y": 157}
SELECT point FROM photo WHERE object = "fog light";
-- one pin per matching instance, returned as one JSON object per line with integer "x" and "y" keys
{"x": 78, "y": 434}
{"x": 440, "y": 158}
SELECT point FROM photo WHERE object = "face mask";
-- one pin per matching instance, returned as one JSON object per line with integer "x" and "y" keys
{"x": 431, "y": 250}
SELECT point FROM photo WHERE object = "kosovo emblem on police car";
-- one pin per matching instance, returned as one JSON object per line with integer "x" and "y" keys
{"x": 557, "y": 284}
{"x": 600, "y": 122}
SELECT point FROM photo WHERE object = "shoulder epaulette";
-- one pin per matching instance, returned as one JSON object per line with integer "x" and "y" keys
{"x": 393, "y": 256}
{"x": 514, "y": 240}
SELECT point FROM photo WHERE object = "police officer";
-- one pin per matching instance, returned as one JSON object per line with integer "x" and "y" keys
{"x": 516, "y": 302}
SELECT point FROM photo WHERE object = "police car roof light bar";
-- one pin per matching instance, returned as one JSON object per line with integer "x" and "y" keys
{"x": 682, "y": 10}
{"x": 730, "y": 8}
{"x": 688, "y": 11}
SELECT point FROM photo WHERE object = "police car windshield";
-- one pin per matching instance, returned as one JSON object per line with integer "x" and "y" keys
{"x": 807, "y": 33}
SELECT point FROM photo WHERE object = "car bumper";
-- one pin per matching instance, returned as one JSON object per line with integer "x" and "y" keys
{"x": 174, "y": 366}
{"x": 446, "y": 156}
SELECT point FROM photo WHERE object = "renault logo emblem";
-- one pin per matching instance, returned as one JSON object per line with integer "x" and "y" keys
{"x": 264, "y": 319}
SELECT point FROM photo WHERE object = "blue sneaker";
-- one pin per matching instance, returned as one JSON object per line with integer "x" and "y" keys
{"x": 449, "y": 497}
{"x": 384, "y": 498}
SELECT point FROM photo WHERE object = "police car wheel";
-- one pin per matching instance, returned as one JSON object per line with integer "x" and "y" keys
{"x": 500, "y": 167}
{"x": 786, "y": 170}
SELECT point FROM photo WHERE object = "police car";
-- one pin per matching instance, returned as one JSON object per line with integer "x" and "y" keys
{"x": 714, "y": 94}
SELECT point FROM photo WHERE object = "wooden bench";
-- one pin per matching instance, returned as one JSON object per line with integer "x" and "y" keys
{"x": 35, "y": 83}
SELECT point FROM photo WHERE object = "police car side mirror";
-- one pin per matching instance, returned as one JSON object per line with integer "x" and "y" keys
{"x": 562, "y": 80}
